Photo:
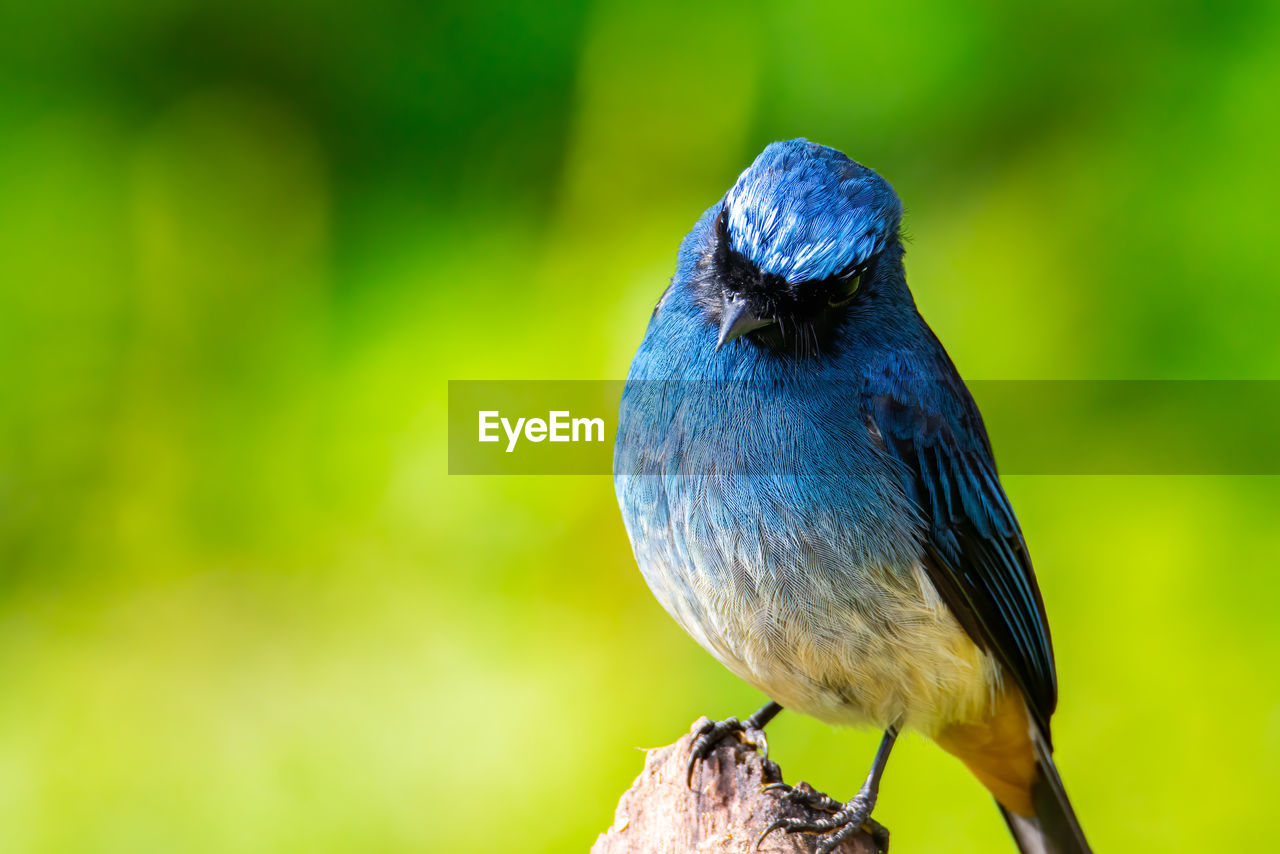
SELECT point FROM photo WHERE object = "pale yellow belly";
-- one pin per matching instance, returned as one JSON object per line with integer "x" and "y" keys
{"x": 905, "y": 659}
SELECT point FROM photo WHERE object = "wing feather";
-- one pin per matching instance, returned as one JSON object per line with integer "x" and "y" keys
{"x": 975, "y": 552}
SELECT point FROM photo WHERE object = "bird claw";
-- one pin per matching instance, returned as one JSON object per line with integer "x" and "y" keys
{"x": 708, "y": 734}
{"x": 846, "y": 819}
{"x": 805, "y": 795}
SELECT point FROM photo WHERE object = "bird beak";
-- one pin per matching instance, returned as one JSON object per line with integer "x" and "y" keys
{"x": 736, "y": 319}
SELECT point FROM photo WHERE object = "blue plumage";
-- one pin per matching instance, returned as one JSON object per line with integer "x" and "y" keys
{"x": 806, "y": 212}
{"x": 807, "y": 484}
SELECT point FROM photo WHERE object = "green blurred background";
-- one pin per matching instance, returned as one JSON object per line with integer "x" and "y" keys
{"x": 244, "y": 245}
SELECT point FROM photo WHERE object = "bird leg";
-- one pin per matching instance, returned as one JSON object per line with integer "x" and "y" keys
{"x": 710, "y": 733}
{"x": 847, "y": 818}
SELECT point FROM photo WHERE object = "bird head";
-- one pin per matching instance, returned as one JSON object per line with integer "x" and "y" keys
{"x": 792, "y": 243}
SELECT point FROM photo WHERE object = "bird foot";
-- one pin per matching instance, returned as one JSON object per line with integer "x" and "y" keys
{"x": 846, "y": 819}
{"x": 707, "y": 735}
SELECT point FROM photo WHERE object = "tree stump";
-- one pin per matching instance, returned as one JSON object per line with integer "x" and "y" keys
{"x": 724, "y": 811}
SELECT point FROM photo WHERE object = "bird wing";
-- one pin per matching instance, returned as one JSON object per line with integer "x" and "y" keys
{"x": 974, "y": 551}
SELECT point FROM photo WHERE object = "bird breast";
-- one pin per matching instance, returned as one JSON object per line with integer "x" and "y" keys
{"x": 803, "y": 579}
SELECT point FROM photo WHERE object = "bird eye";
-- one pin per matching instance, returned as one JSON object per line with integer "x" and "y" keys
{"x": 722, "y": 226}
{"x": 849, "y": 287}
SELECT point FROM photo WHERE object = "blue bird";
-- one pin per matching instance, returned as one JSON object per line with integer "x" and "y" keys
{"x": 810, "y": 492}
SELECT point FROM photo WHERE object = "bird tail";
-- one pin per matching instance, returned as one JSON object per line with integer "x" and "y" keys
{"x": 1009, "y": 754}
{"x": 1053, "y": 828}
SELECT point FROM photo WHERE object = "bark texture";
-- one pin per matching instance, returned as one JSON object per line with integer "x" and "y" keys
{"x": 724, "y": 811}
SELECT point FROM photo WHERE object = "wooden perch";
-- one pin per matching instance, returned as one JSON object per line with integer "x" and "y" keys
{"x": 724, "y": 811}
